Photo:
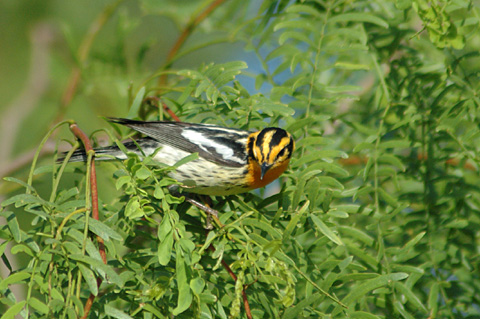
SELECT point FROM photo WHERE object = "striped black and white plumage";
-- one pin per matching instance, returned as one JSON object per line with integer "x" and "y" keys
{"x": 230, "y": 161}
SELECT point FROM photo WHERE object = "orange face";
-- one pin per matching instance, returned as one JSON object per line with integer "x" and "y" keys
{"x": 271, "y": 174}
{"x": 270, "y": 151}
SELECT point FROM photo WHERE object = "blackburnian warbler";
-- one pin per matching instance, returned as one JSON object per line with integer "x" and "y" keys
{"x": 230, "y": 161}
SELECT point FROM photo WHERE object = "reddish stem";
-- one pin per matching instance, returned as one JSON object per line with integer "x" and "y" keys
{"x": 157, "y": 100}
{"x": 171, "y": 113}
{"x": 244, "y": 293}
{"x": 94, "y": 197}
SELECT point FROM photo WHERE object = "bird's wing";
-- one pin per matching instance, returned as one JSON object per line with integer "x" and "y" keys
{"x": 214, "y": 143}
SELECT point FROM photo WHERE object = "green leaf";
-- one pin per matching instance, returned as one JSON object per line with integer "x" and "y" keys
{"x": 392, "y": 160}
{"x": 363, "y": 315}
{"x": 395, "y": 144}
{"x": 153, "y": 310}
{"x": 398, "y": 306}
{"x": 12, "y": 223}
{"x": 25, "y": 199}
{"x": 14, "y": 279}
{"x": 303, "y": 8}
{"x": 100, "y": 267}
{"x": 433, "y": 297}
{"x": 327, "y": 181}
{"x": 164, "y": 252}
{"x": 116, "y": 313}
{"x": 313, "y": 140}
{"x": 294, "y": 221}
{"x": 122, "y": 180}
{"x": 457, "y": 223}
{"x": 197, "y": 285}
{"x": 358, "y": 17}
{"x": 184, "y": 293}
{"x": 363, "y": 289}
{"x": 143, "y": 173}
{"x": 137, "y": 102}
{"x": 387, "y": 197}
{"x": 102, "y": 230}
{"x": 260, "y": 224}
{"x": 186, "y": 159}
{"x": 20, "y": 182}
{"x": 133, "y": 209}
{"x": 357, "y": 234}
{"x": 360, "y": 253}
{"x": 294, "y": 35}
{"x": 89, "y": 277}
{"x": 38, "y": 305}
{"x": 325, "y": 230}
{"x": 295, "y": 311}
{"x": 271, "y": 108}
{"x": 297, "y": 24}
{"x": 5, "y": 260}
{"x": 414, "y": 241}
{"x": 56, "y": 295}
{"x": 300, "y": 124}
{"x": 158, "y": 192}
{"x": 91, "y": 249}
{"x": 13, "y": 310}
{"x": 187, "y": 245}
{"x": 356, "y": 276}
{"x": 415, "y": 302}
{"x": 407, "y": 269}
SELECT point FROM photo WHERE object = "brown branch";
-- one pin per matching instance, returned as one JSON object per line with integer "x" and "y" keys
{"x": 157, "y": 101}
{"x": 171, "y": 113}
{"x": 245, "y": 303}
{"x": 234, "y": 277}
{"x": 94, "y": 197}
{"x": 187, "y": 31}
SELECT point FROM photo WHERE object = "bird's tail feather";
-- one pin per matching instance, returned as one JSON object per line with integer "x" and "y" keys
{"x": 113, "y": 152}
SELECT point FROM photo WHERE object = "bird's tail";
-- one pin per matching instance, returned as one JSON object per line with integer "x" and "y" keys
{"x": 112, "y": 152}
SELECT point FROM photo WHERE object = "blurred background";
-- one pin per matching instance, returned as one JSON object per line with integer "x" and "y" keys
{"x": 42, "y": 43}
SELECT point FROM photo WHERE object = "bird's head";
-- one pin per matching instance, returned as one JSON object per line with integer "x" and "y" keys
{"x": 272, "y": 149}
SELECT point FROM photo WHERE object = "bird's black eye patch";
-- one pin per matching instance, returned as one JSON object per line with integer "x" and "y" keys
{"x": 250, "y": 145}
{"x": 281, "y": 153}
{"x": 278, "y": 136}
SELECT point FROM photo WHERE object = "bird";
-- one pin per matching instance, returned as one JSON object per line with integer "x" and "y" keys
{"x": 230, "y": 161}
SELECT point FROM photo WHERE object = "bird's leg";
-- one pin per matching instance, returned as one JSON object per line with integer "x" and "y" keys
{"x": 211, "y": 213}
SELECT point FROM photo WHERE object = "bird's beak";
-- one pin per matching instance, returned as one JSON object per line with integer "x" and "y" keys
{"x": 265, "y": 167}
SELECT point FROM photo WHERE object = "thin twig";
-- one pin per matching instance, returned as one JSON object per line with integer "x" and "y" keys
{"x": 214, "y": 214}
{"x": 94, "y": 194}
{"x": 156, "y": 100}
{"x": 234, "y": 277}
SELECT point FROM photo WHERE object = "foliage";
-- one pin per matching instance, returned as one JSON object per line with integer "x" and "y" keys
{"x": 379, "y": 211}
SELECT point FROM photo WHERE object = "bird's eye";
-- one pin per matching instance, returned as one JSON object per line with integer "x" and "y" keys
{"x": 280, "y": 154}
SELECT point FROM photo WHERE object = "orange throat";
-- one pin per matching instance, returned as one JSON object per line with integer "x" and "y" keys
{"x": 272, "y": 174}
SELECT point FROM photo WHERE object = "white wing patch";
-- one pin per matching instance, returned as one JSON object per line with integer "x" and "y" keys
{"x": 203, "y": 142}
